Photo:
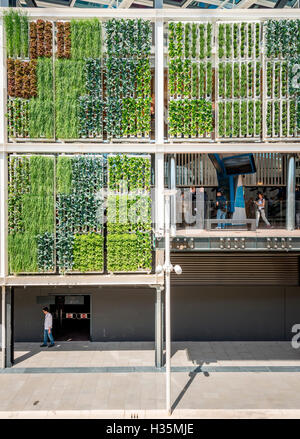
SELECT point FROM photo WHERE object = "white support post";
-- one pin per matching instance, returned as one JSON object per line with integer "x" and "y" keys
{"x": 168, "y": 304}
{"x": 159, "y": 125}
{"x": 3, "y": 332}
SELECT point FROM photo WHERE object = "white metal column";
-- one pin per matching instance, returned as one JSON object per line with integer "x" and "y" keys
{"x": 159, "y": 125}
{"x": 290, "y": 196}
{"x": 3, "y": 323}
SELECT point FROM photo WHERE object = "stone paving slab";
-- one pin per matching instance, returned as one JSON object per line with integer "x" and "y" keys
{"x": 131, "y": 354}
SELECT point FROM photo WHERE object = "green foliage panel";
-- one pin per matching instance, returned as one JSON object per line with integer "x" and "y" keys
{"x": 41, "y": 108}
{"x": 86, "y": 39}
{"x": 79, "y": 213}
{"x": 31, "y": 213}
{"x": 16, "y": 28}
{"x": 129, "y": 245}
{"x": 128, "y": 252}
{"x": 190, "y": 117}
{"x": 69, "y": 86}
{"x": 88, "y": 252}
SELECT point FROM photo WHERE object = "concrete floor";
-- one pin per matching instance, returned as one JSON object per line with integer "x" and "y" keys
{"x": 36, "y": 387}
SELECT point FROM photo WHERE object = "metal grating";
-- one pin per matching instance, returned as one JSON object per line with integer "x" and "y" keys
{"x": 241, "y": 269}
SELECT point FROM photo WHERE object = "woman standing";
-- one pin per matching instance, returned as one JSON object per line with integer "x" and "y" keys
{"x": 260, "y": 210}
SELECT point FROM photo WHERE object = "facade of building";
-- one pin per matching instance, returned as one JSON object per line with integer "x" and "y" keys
{"x": 105, "y": 109}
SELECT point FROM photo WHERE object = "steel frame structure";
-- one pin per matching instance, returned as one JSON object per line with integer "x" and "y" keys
{"x": 159, "y": 147}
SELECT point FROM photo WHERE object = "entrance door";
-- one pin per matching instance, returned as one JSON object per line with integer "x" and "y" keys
{"x": 71, "y": 318}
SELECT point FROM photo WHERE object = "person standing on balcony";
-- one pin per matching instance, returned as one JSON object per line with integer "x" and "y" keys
{"x": 48, "y": 328}
{"x": 260, "y": 209}
{"x": 221, "y": 204}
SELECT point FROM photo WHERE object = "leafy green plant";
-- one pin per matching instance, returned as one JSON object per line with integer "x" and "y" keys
{"x": 228, "y": 120}
{"x": 236, "y": 119}
{"x": 195, "y": 81}
{"x": 221, "y": 40}
{"x": 257, "y": 79}
{"x": 250, "y": 40}
{"x": 257, "y": 39}
{"x": 269, "y": 119}
{"x": 179, "y": 39}
{"x": 16, "y": 29}
{"x": 236, "y": 80}
{"x": 243, "y": 80}
{"x": 209, "y": 78}
{"x": 208, "y": 40}
{"x": 228, "y": 41}
{"x": 86, "y": 39}
{"x": 221, "y": 119}
{"x": 194, "y": 40}
{"x": 292, "y": 114}
{"x": 250, "y": 79}
{"x": 202, "y": 41}
{"x": 222, "y": 80}
{"x": 235, "y": 40}
{"x": 88, "y": 252}
{"x": 284, "y": 119}
{"x": 31, "y": 211}
{"x": 257, "y": 118}
{"x": 69, "y": 86}
{"x": 243, "y": 118}
{"x": 187, "y": 82}
{"x": 228, "y": 74}
{"x": 202, "y": 80}
{"x": 41, "y": 108}
{"x": 251, "y": 118}
{"x": 243, "y": 40}
{"x": 171, "y": 41}
{"x": 187, "y": 44}
{"x": 276, "y": 118}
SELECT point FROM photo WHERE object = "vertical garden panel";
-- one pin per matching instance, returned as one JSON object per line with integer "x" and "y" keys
{"x": 79, "y": 206}
{"x": 30, "y": 106}
{"x": 31, "y": 214}
{"x": 282, "y": 98}
{"x": 129, "y": 247}
{"x": 128, "y": 79}
{"x": 238, "y": 93}
{"x": 190, "y": 81}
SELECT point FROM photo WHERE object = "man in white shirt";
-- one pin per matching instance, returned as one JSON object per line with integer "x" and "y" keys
{"x": 48, "y": 328}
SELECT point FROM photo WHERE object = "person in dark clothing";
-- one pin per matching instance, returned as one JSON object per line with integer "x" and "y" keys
{"x": 221, "y": 204}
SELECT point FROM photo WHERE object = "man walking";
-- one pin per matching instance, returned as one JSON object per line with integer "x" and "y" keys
{"x": 47, "y": 328}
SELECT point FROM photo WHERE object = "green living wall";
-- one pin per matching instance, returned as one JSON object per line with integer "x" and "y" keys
{"x": 190, "y": 80}
{"x": 282, "y": 78}
{"x": 79, "y": 207}
{"x": 58, "y": 94}
{"x": 239, "y": 80}
{"x": 129, "y": 246}
{"x": 128, "y": 78}
{"x": 30, "y": 106}
{"x": 31, "y": 214}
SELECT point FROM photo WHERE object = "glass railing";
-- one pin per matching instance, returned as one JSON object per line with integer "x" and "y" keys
{"x": 208, "y": 215}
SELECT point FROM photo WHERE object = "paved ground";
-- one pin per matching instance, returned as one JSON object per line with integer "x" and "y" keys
{"x": 226, "y": 379}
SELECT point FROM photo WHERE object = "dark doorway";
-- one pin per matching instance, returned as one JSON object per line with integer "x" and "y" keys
{"x": 71, "y": 318}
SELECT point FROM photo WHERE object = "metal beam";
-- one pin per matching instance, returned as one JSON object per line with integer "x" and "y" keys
{"x": 92, "y": 280}
{"x": 172, "y": 14}
{"x": 151, "y": 148}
